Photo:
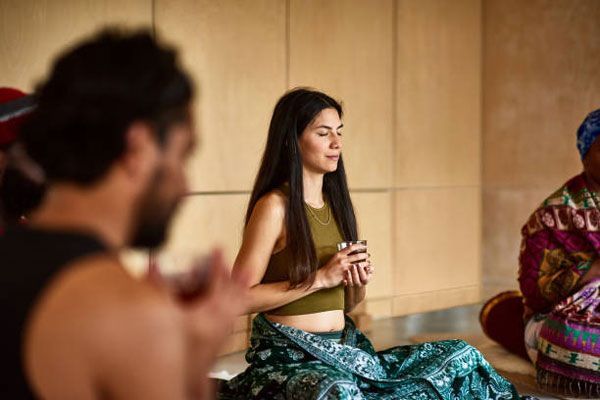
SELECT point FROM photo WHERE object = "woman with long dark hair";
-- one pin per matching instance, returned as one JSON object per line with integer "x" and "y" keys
{"x": 302, "y": 345}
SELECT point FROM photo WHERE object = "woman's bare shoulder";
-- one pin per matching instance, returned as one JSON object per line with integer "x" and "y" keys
{"x": 272, "y": 204}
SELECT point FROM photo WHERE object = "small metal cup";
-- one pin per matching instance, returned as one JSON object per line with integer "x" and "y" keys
{"x": 343, "y": 245}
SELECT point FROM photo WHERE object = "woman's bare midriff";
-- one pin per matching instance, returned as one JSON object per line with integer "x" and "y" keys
{"x": 325, "y": 321}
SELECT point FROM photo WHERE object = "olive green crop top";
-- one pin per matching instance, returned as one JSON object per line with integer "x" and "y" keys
{"x": 326, "y": 235}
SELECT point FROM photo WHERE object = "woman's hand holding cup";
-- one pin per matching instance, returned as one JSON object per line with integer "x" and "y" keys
{"x": 351, "y": 259}
{"x": 361, "y": 270}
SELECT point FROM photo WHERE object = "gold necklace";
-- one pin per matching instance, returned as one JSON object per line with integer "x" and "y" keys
{"x": 314, "y": 215}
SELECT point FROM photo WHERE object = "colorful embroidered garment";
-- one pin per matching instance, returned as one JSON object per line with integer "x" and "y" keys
{"x": 568, "y": 359}
{"x": 560, "y": 242}
{"x": 288, "y": 363}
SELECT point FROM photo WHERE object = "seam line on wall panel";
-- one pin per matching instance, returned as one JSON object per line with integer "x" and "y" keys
{"x": 394, "y": 86}
{"x": 370, "y": 190}
{"x": 393, "y": 208}
{"x": 483, "y": 102}
{"x": 379, "y": 298}
{"x": 438, "y": 290}
{"x": 500, "y": 279}
{"x": 549, "y": 187}
{"x": 287, "y": 43}
{"x": 482, "y": 75}
{"x": 217, "y": 192}
{"x": 481, "y": 138}
{"x": 153, "y": 17}
{"x": 357, "y": 190}
{"x": 393, "y": 296}
{"x": 404, "y": 188}
{"x": 235, "y": 192}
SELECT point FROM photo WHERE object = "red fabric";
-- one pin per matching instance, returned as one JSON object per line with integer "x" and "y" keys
{"x": 502, "y": 321}
{"x": 560, "y": 242}
{"x": 9, "y": 129}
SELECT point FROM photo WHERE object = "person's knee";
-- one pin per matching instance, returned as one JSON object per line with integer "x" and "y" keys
{"x": 322, "y": 383}
{"x": 344, "y": 390}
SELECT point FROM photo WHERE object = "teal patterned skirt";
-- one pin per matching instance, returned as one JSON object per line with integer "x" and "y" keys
{"x": 288, "y": 363}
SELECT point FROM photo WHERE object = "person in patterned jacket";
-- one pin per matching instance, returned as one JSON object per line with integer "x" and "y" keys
{"x": 555, "y": 321}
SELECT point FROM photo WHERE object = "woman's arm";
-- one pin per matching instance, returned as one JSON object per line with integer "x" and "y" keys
{"x": 266, "y": 229}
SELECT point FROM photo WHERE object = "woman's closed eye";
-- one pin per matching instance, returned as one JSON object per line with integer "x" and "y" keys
{"x": 324, "y": 134}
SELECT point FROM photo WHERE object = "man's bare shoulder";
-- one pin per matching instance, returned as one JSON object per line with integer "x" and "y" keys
{"x": 100, "y": 287}
{"x": 100, "y": 319}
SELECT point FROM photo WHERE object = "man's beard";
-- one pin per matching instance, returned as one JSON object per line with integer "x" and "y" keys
{"x": 153, "y": 216}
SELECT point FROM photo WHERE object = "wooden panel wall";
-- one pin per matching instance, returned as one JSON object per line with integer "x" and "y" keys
{"x": 33, "y": 32}
{"x": 437, "y": 155}
{"x": 407, "y": 72}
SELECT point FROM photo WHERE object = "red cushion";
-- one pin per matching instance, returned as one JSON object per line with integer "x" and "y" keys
{"x": 501, "y": 319}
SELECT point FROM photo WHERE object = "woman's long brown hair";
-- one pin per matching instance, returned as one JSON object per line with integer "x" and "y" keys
{"x": 281, "y": 162}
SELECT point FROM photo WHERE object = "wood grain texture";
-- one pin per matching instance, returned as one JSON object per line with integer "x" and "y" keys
{"x": 438, "y": 235}
{"x": 438, "y": 112}
{"x": 345, "y": 48}
{"x": 33, "y": 33}
{"x": 235, "y": 50}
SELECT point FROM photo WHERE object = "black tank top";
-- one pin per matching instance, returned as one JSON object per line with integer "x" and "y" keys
{"x": 29, "y": 259}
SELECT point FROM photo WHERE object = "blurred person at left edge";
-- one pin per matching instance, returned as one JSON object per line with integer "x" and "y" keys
{"x": 21, "y": 183}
